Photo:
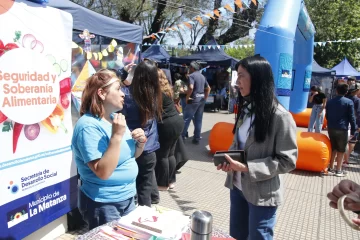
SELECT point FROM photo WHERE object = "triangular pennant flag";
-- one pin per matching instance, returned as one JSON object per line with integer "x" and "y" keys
{"x": 95, "y": 56}
{"x": 209, "y": 47}
{"x": 254, "y": 1}
{"x": 111, "y": 48}
{"x": 104, "y": 64}
{"x": 88, "y": 55}
{"x": 222, "y": 10}
{"x": 246, "y": 4}
{"x": 222, "y": 47}
{"x": 218, "y": 47}
{"x": 210, "y": 15}
{"x": 113, "y": 43}
{"x": 239, "y": 3}
{"x": 245, "y": 46}
{"x": 104, "y": 53}
{"x": 100, "y": 55}
{"x": 87, "y": 71}
{"x": 187, "y": 24}
{"x": 217, "y": 13}
{"x": 74, "y": 45}
{"x": 229, "y": 8}
{"x": 199, "y": 19}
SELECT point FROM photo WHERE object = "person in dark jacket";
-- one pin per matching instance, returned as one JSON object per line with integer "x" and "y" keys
{"x": 352, "y": 95}
{"x": 143, "y": 114}
{"x": 339, "y": 114}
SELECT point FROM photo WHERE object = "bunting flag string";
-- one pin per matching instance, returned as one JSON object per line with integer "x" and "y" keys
{"x": 321, "y": 44}
{"x": 97, "y": 55}
{"x": 215, "y": 14}
{"x": 205, "y": 47}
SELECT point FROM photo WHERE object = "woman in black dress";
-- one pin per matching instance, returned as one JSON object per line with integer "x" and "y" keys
{"x": 169, "y": 128}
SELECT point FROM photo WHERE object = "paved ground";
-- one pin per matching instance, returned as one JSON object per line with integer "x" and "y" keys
{"x": 304, "y": 215}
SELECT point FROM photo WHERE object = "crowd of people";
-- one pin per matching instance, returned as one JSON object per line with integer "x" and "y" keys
{"x": 341, "y": 112}
{"x": 124, "y": 142}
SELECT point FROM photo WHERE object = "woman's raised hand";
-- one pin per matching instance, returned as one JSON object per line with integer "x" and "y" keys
{"x": 139, "y": 135}
{"x": 119, "y": 125}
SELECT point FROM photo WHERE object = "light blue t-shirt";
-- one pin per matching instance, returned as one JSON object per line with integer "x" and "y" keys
{"x": 90, "y": 141}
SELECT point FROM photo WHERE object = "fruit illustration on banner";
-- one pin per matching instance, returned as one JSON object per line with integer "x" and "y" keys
{"x": 2, "y": 117}
{"x": 16, "y": 134}
{"x": 54, "y": 121}
{"x": 59, "y": 67}
{"x": 17, "y": 36}
{"x": 7, "y": 47}
{"x": 29, "y": 41}
{"x": 64, "y": 100}
{"x": 32, "y": 131}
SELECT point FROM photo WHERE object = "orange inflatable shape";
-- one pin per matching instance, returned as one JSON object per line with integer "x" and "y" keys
{"x": 302, "y": 119}
{"x": 221, "y": 137}
{"x": 314, "y": 151}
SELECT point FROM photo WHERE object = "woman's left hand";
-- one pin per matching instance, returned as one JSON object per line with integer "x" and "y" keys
{"x": 235, "y": 165}
{"x": 139, "y": 135}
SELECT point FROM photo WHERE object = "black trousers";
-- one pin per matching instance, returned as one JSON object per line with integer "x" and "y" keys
{"x": 169, "y": 132}
{"x": 146, "y": 185}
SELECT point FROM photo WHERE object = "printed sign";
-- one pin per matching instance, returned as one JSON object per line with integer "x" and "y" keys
{"x": 284, "y": 83}
{"x": 38, "y": 175}
{"x": 307, "y": 81}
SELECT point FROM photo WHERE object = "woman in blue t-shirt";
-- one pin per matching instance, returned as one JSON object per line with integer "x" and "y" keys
{"x": 105, "y": 152}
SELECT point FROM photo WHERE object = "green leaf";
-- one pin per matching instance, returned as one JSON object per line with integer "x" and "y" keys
{"x": 7, "y": 127}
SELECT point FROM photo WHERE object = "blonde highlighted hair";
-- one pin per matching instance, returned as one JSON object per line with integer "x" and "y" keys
{"x": 164, "y": 84}
{"x": 90, "y": 100}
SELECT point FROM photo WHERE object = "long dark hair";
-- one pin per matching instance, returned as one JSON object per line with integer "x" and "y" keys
{"x": 146, "y": 91}
{"x": 262, "y": 93}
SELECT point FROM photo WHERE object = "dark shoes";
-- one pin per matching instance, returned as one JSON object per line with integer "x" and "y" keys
{"x": 196, "y": 142}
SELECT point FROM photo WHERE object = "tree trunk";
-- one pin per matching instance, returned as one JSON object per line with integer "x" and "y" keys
{"x": 238, "y": 28}
{"x": 213, "y": 25}
{"x": 158, "y": 20}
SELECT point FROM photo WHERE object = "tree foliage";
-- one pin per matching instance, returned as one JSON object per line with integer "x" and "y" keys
{"x": 241, "y": 22}
{"x": 241, "y": 52}
{"x": 155, "y": 15}
{"x": 336, "y": 20}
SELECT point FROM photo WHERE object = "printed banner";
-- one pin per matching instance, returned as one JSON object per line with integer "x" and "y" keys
{"x": 284, "y": 82}
{"x": 37, "y": 173}
{"x": 307, "y": 81}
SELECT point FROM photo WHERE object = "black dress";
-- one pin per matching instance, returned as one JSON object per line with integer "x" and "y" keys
{"x": 169, "y": 129}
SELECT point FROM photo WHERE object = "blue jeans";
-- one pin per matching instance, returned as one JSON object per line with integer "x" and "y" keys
{"x": 96, "y": 213}
{"x": 183, "y": 103}
{"x": 250, "y": 222}
{"x": 194, "y": 110}
{"x": 316, "y": 119}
